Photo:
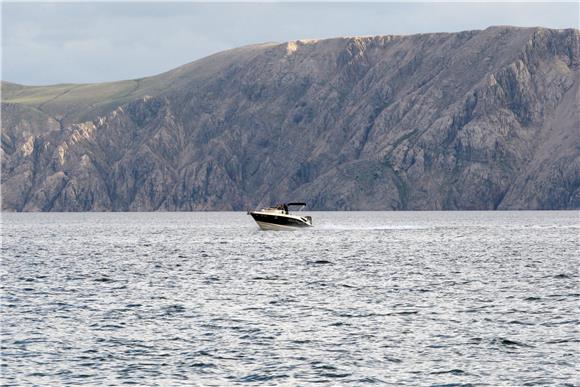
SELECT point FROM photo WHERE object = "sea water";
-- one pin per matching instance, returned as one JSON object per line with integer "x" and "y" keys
{"x": 396, "y": 298}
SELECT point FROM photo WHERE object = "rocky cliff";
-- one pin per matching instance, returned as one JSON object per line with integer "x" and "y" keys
{"x": 472, "y": 120}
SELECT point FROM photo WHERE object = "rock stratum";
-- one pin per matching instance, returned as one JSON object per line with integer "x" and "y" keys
{"x": 476, "y": 120}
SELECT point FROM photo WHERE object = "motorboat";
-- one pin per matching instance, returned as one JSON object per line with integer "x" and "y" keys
{"x": 280, "y": 218}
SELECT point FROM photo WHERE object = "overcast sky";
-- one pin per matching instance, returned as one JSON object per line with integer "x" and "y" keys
{"x": 47, "y": 43}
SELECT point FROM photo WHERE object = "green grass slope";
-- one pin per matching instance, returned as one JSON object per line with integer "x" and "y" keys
{"x": 71, "y": 103}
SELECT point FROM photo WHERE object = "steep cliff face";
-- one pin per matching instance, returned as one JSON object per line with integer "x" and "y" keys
{"x": 473, "y": 120}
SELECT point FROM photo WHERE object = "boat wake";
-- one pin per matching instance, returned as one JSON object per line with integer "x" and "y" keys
{"x": 338, "y": 227}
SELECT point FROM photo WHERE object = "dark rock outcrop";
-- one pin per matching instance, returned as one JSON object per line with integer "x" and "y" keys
{"x": 472, "y": 120}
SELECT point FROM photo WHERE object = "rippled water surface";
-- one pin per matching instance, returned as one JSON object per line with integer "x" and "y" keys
{"x": 430, "y": 298}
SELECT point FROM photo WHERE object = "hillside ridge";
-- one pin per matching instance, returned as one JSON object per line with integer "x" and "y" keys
{"x": 482, "y": 119}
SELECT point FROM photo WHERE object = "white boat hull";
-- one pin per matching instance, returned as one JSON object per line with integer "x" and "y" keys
{"x": 276, "y": 227}
{"x": 279, "y": 219}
